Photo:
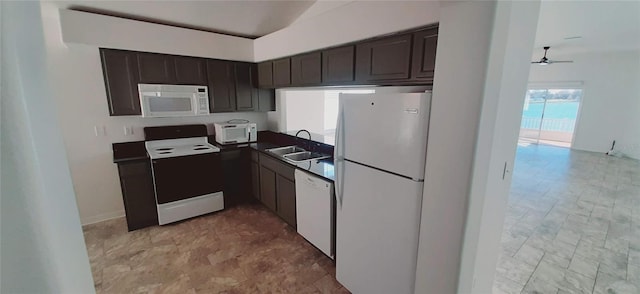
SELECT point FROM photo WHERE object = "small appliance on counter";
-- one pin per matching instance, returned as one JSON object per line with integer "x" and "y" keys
{"x": 187, "y": 172}
{"x": 236, "y": 131}
{"x": 173, "y": 100}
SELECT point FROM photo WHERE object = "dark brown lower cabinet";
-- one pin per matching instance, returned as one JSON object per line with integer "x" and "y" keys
{"x": 138, "y": 194}
{"x": 286, "y": 189}
{"x": 268, "y": 192}
{"x": 255, "y": 175}
{"x": 235, "y": 173}
{"x": 277, "y": 188}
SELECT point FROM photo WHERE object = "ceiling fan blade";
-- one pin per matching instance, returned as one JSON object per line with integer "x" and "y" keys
{"x": 560, "y": 61}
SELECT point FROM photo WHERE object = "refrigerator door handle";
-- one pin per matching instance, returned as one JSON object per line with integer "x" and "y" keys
{"x": 339, "y": 158}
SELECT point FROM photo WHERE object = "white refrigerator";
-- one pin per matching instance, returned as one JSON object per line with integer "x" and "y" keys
{"x": 380, "y": 151}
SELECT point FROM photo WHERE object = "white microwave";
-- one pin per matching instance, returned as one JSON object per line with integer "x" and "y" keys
{"x": 230, "y": 133}
{"x": 173, "y": 100}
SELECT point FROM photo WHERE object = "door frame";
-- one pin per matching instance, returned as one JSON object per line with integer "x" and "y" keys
{"x": 512, "y": 44}
{"x": 563, "y": 85}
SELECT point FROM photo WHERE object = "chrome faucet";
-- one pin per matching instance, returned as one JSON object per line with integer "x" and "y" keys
{"x": 303, "y": 130}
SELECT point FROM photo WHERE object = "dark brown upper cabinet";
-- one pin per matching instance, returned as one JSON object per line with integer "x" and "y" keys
{"x": 265, "y": 74}
{"x": 407, "y": 58}
{"x": 266, "y": 100}
{"x": 266, "y": 97}
{"x": 246, "y": 93}
{"x": 384, "y": 59}
{"x": 424, "y": 54}
{"x": 306, "y": 69}
{"x": 156, "y": 68}
{"x": 190, "y": 70}
{"x": 120, "y": 71}
{"x": 337, "y": 65}
{"x": 222, "y": 88}
{"x": 282, "y": 72}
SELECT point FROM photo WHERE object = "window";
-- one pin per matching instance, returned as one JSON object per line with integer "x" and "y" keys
{"x": 549, "y": 116}
{"x": 315, "y": 111}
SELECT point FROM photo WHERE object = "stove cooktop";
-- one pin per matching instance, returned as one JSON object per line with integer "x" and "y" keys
{"x": 179, "y": 147}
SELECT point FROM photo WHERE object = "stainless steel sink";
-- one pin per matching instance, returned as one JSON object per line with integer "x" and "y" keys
{"x": 296, "y": 154}
{"x": 281, "y": 151}
{"x": 305, "y": 156}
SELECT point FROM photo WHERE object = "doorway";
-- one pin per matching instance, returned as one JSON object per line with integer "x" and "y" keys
{"x": 549, "y": 116}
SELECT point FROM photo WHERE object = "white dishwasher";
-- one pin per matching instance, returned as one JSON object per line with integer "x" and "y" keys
{"x": 314, "y": 210}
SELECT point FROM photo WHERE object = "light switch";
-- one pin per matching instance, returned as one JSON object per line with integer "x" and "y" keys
{"x": 128, "y": 130}
{"x": 100, "y": 131}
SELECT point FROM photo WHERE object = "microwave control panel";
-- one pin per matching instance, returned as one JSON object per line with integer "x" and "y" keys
{"x": 203, "y": 103}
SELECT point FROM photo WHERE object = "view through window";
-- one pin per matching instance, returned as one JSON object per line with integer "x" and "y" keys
{"x": 315, "y": 111}
{"x": 549, "y": 116}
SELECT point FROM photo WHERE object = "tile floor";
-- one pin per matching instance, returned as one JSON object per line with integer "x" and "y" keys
{"x": 240, "y": 250}
{"x": 572, "y": 225}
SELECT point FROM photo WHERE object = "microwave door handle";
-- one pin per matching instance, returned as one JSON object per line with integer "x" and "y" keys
{"x": 248, "y": 135}
{"x": 195, "y": 103}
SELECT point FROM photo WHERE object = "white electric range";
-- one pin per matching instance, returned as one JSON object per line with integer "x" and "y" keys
{"x": 187, "y": 172}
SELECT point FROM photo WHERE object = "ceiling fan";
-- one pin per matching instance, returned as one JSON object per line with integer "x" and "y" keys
{"x": 545, "y": 61}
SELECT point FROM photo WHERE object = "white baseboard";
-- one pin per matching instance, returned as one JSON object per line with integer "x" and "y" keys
{"x": 102, "y": 217}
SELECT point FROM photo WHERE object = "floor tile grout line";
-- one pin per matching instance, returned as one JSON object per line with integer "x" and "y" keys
{"x": 533, "y": 272}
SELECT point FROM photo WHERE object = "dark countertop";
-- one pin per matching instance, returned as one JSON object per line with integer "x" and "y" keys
{"x": 131, "y": 151}
{"x": 322, "y": 168}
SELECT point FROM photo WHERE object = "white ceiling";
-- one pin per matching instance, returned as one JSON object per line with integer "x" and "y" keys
{"x": 603, "y": 26}
{"x": 242, "y": 18}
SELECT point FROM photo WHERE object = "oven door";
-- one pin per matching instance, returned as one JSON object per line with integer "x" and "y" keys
{"x": 177, "y": 178}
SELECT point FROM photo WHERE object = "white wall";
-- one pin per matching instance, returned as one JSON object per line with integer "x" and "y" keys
{"x": 461, "y": 63}
{"x": 78, "y": 85}
{"x": 354, "y": 21}
{"x": 512, "y": 39}
{"x": 42, "y": 246}
{"x": 610, "y": 106}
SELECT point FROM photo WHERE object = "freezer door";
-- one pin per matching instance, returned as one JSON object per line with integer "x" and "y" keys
{"x": 377, "y": 231}
{"x": 385, "y": 131}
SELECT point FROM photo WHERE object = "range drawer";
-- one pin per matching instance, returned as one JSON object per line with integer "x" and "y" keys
{"x": 279, "y": 167}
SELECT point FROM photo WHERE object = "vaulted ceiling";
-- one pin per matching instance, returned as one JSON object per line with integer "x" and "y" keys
{"x": 242, "y": 18}
{"x": 588, "y": 26}
{"x": 566, "y": 26}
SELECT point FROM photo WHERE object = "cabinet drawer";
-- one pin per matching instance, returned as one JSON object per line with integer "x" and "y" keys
{"x": 281, "y": 168}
